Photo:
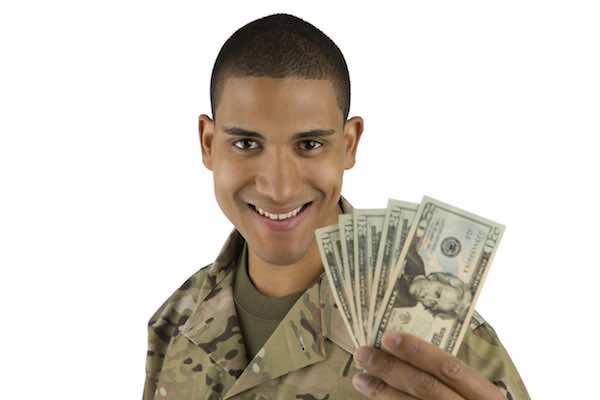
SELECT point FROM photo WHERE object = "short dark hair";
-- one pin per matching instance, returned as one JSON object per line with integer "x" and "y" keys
{"x": 280, "y": 46}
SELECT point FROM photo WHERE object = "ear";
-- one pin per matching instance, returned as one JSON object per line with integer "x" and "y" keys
{"x": 353, "y": 129}
{"x": 206, "y": 128}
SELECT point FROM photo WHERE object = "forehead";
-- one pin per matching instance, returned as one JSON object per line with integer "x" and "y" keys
{"x": 278, "y": 104}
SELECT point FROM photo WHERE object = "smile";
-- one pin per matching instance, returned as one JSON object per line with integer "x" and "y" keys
{"x": 280, "y": 221}
{"x": 279, "y": 216}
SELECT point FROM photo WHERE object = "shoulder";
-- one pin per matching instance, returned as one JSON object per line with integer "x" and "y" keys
{"x": 179, "y": 305}
{"x": 165, "y": 321}
{"x": 483, "y": 351}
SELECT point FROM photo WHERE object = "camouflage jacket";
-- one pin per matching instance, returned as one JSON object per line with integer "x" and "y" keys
{"x": 196, "y": 349}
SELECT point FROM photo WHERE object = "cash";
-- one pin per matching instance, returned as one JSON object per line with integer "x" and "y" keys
{"x": 408, "y": 267}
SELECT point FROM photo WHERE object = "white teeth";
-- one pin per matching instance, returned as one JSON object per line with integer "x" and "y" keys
{"x": 279, "y": 217}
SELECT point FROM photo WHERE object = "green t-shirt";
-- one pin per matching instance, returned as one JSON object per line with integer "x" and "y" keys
{"x": 259, "y": 314}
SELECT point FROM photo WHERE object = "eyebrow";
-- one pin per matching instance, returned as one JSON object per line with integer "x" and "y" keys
{"x": 300, "y": 135}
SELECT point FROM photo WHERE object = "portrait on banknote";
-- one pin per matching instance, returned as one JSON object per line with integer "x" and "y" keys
{"x": 443, "y": 294}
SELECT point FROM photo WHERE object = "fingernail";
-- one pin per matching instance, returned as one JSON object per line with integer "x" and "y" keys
{"x": 360, "y": 382}
{"x": 362, "y": 354}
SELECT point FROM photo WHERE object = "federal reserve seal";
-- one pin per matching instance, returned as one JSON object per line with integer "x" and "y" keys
{"x": 450, "y": 246}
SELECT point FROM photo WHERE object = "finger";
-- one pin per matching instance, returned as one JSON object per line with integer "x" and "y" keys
{"x": 375, "y": 388}
{"x": 403, "y": 376}
{"x": 440, "y": 364}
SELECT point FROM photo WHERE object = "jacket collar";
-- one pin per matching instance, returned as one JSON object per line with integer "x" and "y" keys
{"x": 298, "y": 341}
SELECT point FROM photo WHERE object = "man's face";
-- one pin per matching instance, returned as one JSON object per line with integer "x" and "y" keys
{"x": 435, "y": 295}
{"x": 278, "y": 172}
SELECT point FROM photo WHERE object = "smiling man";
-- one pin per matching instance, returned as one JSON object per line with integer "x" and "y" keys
{"x": 259, "y": 322}
{"x": 278, "y": 148}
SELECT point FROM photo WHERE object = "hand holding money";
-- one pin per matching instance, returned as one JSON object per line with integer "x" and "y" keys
{"x": 416, "y": 268}
{"x": 412, "y": 368}
{"x": 406, "y": 279}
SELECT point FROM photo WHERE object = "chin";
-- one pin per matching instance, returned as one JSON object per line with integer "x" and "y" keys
{"x": 282, "y": 259}
{"x": 283, "y": 256}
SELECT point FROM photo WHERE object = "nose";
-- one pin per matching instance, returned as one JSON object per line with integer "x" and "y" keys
{"x": 280, "y": 177}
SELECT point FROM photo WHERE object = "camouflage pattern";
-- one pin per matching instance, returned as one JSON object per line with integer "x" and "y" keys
{"x": 196, "y": 349}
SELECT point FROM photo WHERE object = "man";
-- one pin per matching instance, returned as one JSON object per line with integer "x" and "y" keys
{"x": 259, "y": 322}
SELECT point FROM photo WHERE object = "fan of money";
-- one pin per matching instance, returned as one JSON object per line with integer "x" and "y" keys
{"x": 412, "y": 267}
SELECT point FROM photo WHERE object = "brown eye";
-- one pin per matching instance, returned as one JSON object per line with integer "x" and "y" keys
{"x": 313, "y": 144}
{"x": 244, "y": 142}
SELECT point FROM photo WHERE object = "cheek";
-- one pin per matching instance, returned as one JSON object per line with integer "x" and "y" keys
{"x": 223, "y": 181}
{"x": 227, "y": 180}
{"x": 228, "y": 170}
{"x": 326, "y": 175}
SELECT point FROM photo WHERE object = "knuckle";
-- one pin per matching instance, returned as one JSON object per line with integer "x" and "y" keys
{"x": 380, "y": 363}
{"x": 383, "y": 364}
{"x": 377, "y": 387}
{"x": 426, "y": 385}
{"x": 452, "y": 369}
{"x": 414, "y": 349}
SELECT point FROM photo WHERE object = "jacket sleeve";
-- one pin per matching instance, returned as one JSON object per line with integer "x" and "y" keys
{"x": 482, "y": 350}
{"x": 164, "y": 325}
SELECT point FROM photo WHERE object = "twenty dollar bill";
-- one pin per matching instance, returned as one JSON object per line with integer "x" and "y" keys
{"x": 438, "y": 276}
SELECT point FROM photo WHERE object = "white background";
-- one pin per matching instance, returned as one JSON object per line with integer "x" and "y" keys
{"x": 106, "y": 207}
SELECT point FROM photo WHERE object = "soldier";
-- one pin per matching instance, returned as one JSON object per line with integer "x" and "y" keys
{"x": 259, "y": 322}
